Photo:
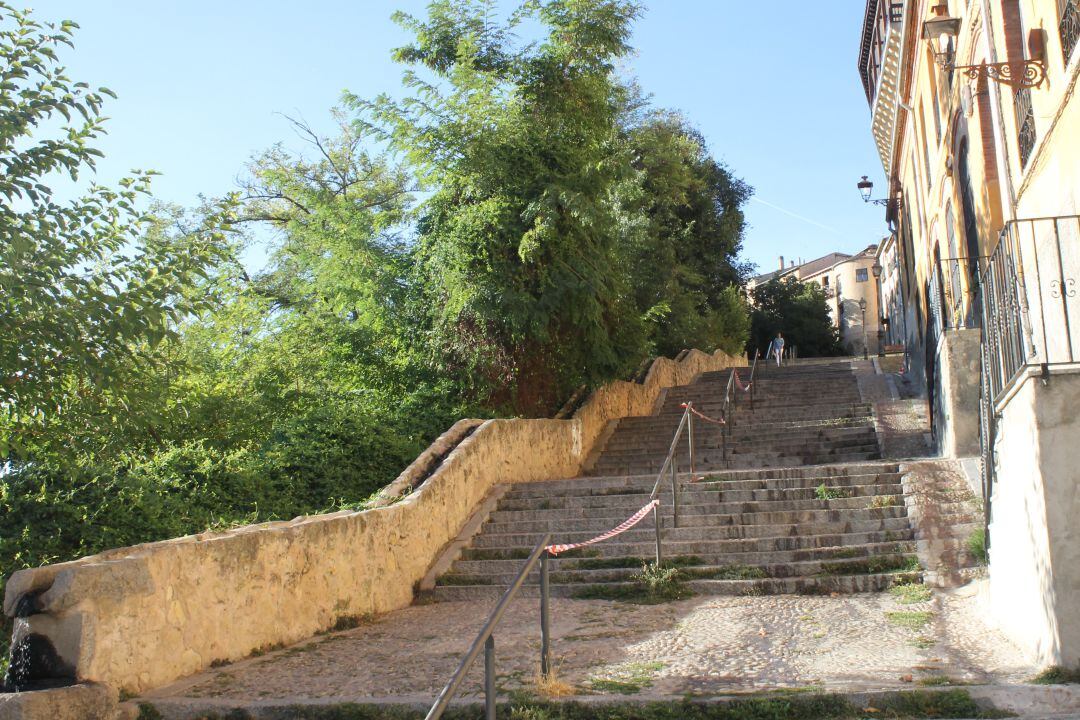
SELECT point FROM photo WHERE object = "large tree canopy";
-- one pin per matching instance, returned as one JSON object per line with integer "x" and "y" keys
{"x": 685, "y": 231}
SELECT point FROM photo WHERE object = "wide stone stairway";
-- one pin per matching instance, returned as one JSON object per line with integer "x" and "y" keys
{"x": 798, "y": 503}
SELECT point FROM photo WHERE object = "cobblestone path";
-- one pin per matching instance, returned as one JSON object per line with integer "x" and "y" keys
{"x": 700, "y": 647}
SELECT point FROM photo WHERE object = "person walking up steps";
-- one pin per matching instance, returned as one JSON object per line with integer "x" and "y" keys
{"x": 777, "y": 347}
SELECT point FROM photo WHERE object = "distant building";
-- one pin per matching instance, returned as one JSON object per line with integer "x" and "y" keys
{"x": 848, "y": 282}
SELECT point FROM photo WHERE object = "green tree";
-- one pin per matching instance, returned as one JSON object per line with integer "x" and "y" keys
{"x": 799, "y": 311}
{"x": 518, "y": 244}
{"x": 685, "y": 230}
{"x": 86, "y": 295}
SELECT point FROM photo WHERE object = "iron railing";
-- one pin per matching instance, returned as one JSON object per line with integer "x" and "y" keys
{"x": 1025, "y": 124}
{"x": 1029, "y": 298}
{"x": 987, "y": 436}
{"x": 485, "y": 640}
{"x": 954, "y": 292}
{"x": 1069, "y": 29}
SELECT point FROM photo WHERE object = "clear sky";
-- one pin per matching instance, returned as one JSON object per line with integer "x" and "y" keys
{"x": 772, "y": 85}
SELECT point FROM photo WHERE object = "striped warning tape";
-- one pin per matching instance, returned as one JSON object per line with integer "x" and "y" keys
{"x": 703, "y": 416}
{"x": 629, "y": 523}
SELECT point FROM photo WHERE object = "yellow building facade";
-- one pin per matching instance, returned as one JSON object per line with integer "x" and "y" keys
{"x": 975, "y": 114}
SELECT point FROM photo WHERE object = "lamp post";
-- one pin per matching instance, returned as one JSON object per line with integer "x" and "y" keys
{"x": 862, "y": 308}
{"x": 876, "y": 269}
{"x": 940, "y": 32}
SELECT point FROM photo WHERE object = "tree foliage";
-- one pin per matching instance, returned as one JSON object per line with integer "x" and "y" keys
{"x": 685, "y": 228}
{"x": 86, "y": 295}
{"x": 799, "y": 311}
{"x": 518, "y": 244}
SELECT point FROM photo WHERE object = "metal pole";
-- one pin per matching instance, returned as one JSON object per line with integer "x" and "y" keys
{"x": 690, "y": 427}
{"x": 545, "y": 616}
{"x": 723, "y": 437}
{"x": 656, "y": 522}
{"x": 675, "y": 489}
{"x": 489, "y": 678}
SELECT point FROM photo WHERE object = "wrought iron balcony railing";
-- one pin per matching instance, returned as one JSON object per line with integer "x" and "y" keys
{"x": 1029, "y": 299}
{"x": 1025, "y": 124}
{"x": 1069, "y": 28}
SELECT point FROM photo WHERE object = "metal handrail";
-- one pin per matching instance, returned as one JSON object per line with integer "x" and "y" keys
{"x": 486, "y": 640}
{"x": 753, "y": 371}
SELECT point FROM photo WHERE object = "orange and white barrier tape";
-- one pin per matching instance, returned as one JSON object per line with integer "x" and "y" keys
{"x": 744, "y": 388}
{"x": 703, "y": 416}
{"x": 630, "y": 522}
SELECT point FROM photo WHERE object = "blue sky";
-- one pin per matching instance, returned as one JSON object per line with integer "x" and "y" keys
{"x": 772, "y": 86}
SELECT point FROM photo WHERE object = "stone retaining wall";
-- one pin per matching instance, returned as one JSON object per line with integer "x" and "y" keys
{"x": 141, "y": 617}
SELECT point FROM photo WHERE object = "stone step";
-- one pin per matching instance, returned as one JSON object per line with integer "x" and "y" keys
{"x": 706, "y": 527}
{"x": 626, "y": 446}
{"x": 636, "y": 439}
{"x": 643, "y": 484}
{"x": 840, "y": 584}
{"x": 690, "y": 568}
{"x": 692, "y": 541}
{"x": 716, "y": 495}
{"x": 510, "y": 559}
{"x": 716, "y": 461}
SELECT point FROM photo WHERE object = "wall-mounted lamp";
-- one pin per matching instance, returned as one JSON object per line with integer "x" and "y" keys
{"x": 866, "y": 188}
{"x": 941, "y": 31}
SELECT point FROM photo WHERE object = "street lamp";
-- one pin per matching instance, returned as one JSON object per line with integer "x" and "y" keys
{"x": 866, "y": 188}
{"x": 862, "y": 308}
{"x": 940, "y": 31}
{"x": 876, "y": 269}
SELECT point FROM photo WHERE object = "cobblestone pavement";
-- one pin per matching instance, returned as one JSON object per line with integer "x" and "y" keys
{"x": 701, "y": 647}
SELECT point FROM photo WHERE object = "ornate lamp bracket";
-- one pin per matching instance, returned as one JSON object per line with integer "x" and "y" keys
{"x": 1019, "y": 74}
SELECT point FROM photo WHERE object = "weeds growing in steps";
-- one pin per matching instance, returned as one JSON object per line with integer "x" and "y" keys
{"x": 976, "y": 546}
{"x": 824, "y": 492}
{"x": 872, "y": 565}
{"x": 910, "y": 593}
{"x": 459, "y": 579}
{"x": 1057, "y": 675}
{"x": 653, "y": 585}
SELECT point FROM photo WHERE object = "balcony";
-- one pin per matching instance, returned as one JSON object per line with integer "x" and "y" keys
{"x": 879, "y": 67}
{"x": 1069, "y": 28}
{"x": 1031, "y": 313}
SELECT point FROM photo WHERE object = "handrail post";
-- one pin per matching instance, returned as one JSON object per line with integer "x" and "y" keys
{"x": 723, "y": 436}
{"x": 545, "y": 616}
{"x": 656, "y": 522}
{"x": 690, "y": 442}
{"x": 489, "y": 678}
{"x": 675, "y": 489}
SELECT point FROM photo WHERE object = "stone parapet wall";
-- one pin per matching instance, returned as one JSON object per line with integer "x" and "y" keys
{"x": 140, "y": 617}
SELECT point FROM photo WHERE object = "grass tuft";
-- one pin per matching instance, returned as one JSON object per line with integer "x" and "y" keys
{"x": 976, "y": 546}
{"x": 823, "y": 492}
{"x": 910, "y": 593}
{"x": 910, "y": 619}
{"x": 1057, "y": 675}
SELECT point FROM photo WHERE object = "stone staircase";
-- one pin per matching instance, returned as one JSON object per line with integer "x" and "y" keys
{"x": 801, "y": 503}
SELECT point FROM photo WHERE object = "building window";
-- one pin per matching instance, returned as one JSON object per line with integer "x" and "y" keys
{"x": 1069, "y": 28}
{"x": 926, "y": 148}
{"x": 825, "y": 282}
{"x": 861, "y": 275}
{"x": 1025, "y": 124}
